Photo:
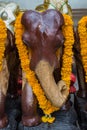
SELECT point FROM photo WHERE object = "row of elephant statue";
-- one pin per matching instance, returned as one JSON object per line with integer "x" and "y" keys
{"x": 39, "y": 37}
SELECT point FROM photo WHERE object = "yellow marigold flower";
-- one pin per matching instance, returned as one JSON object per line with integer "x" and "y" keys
{"x": 44, "y": 119}
{"x": 82, "y": 30}
{"x": 3, "y": 36}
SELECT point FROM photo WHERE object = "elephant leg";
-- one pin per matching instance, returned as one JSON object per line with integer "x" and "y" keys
{"x": 4, "y": 77}
{"x": 3, "y": 116}
{"x": 30, "y": 116}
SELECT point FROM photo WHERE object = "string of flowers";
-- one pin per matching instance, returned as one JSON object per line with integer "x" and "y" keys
{"x": 44, "y": 103}
{"x": 68, "y": 54}
{"x": 82, "y": 30}
{"x": 3, "y": 36}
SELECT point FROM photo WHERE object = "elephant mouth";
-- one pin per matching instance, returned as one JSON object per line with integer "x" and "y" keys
{"x": 56, "y": 93}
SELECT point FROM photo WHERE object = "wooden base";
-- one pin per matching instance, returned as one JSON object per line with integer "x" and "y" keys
{"x": 65, "y": 120}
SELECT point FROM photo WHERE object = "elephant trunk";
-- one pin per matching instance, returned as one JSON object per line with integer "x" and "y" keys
{"x": 56, "y": 93}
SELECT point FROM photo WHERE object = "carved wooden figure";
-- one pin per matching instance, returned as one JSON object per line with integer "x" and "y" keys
{"x": 80, "y": 52}
{"x": 82, "y": 92}
{"x": 43, "y": 35}
{"x": 8, "y": 74}
{"x": 43, "y": 40}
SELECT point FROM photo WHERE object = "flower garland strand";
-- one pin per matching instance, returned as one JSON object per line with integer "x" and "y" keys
{"x": 82, "y": 30}
{"x": 44, "y": 103}
{"x": 68, "y": 54}
{"x": 3, "y": 36}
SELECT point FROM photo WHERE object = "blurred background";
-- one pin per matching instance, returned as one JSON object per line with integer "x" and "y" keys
{"x": 28, "y": 4}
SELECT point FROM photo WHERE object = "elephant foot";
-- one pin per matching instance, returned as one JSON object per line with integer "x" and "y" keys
{"x": 3, "y": 122}
{"x": 33, "y": 121}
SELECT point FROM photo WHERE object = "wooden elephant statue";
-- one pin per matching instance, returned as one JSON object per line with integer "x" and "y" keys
{"x": 80, "y": 52}
{"x": 9, "y": 60}
{"x": 82, "y": 91}
{"x": 40, "y": 42}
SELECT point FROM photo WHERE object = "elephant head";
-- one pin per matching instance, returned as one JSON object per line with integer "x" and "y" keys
{"x": 43, "y": 34}
{"x": 8, "y": 12}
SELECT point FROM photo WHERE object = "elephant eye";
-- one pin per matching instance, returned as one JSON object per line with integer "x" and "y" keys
{"x": 4, "y": 16}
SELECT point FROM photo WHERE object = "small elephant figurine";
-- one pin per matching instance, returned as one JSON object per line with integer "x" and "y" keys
{"x": 80, "y": 54}
{"x": 82, "y": 91}
{"x": 8, "y": 77}
{"x": 42, "y": 36}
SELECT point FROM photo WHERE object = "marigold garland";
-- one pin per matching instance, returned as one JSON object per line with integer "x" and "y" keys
{"x": 3, "y": 36}
{"x": 44, "y": 103}
{"x": 68, "y": 54}
{"x": 82, "y": 30}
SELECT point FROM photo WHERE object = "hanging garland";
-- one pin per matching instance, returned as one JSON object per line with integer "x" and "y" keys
{"x": 82, "y": 30}
{"x": 3, "y": 36}
{"x": 44, "y": 103}
{"x": 68, "y": 54}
